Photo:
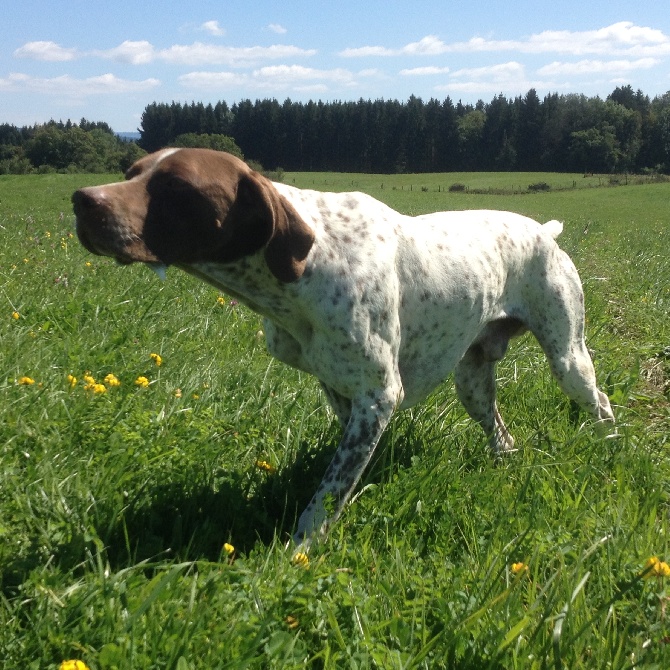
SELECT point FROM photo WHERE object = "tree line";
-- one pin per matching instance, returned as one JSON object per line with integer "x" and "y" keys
{"x": 64, "y": 147}
{"x": 625, "y": 132}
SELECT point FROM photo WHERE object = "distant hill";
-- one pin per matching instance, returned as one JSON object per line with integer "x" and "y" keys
{"x": 129, "y": 136}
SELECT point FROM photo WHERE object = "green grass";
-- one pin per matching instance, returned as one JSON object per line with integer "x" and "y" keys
{"x": 114, "y": 508}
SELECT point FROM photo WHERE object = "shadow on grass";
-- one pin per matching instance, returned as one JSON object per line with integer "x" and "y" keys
{"x": 191, "y": 519}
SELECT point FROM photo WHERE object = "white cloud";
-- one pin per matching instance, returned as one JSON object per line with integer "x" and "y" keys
{"x": 213, "y": 28}
{"x": 623, "y": 38}
{"x": 365, "y": 52}
{"x": 279, "y": 77}
{"x": 73, "y": 87}
{"x": 424, "y": 71}
{"x": 207, "y": 81}
{"x": 289, "y": 74}
{"x": 619, "y": 38}
{"x": 46, "y": 51}
{"x": 143, "y": 52}
{"x": 591, "y": 67}
{"x": 135, "y": 53}
{"x": 508, "y": 78}
{"x": 501, "y": 72}
{"x": 428, "y": 46}
{"x": 208, "y": 54}
{"x": 277, "y": 28}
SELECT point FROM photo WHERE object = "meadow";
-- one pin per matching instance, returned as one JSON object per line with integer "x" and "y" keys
{"x": 153, "y": 459}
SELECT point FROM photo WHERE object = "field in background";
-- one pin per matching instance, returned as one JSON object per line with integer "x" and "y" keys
{"x": 115, "y": 506}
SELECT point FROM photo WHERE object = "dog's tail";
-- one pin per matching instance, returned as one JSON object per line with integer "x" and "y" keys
{"x": 554, "y": 228}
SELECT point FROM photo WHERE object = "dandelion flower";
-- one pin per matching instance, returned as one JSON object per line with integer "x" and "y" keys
{"x": 264, "y": 465}
{"x": 301, "y": 559}
{"x": 72, "y": 381}
{"x": 228, "y": 548}
{"x": 656, "y": 568}
{"x": 112, "y": 380}
{"x": 26, "y": 381}
{"x": 142, "y": 382}
{"x": 16, "y": 316}
{"x": 73, "y": 665}
{"x": 519, "y": 567}
{"x": 156, "y": 358}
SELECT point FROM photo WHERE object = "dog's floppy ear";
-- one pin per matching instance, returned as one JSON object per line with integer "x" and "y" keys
{"x": 290, "y": 239}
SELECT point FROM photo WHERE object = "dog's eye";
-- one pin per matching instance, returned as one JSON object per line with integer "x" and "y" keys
{"x": 167, "y": 184}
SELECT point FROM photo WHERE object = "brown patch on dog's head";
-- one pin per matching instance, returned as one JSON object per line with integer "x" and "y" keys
{"x": 187, "y": 206}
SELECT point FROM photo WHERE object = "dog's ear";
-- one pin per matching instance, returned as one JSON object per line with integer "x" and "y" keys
{"x": 290, "y": 237}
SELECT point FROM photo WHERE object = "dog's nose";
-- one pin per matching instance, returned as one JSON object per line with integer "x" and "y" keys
{"x": 87, "y": 199}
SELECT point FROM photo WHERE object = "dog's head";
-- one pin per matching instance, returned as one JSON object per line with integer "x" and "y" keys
{"x": 185, "y": 206}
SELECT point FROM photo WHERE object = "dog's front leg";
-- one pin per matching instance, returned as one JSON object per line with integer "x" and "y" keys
{"x": 370, "y": 414}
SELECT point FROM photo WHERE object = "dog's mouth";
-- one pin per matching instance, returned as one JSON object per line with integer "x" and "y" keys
{"x": 102, "y": 243}
{"x": 101, "y": 232}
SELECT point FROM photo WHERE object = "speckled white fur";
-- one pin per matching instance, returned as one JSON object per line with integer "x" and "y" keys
{"x": 389, "y": 305}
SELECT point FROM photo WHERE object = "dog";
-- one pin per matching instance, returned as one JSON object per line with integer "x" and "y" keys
{"x": 380, "y": 307}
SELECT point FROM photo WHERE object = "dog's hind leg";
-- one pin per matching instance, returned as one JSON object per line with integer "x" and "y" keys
{"x": 573, "y": 369}
{"x": 475, "y": 382}
{"x": 558, "y": 326}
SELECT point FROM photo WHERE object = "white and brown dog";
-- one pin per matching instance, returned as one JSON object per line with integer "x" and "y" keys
{"x": 379, "y": 306}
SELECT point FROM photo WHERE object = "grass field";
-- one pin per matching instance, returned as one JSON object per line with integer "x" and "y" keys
{"x": 142, "y": 525}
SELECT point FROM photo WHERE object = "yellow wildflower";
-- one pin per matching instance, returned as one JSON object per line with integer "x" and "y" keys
{"x": 142, "y": 382}
{"x": 89, "y": 379}
{"x": 73, "y": 665}
{"x": 26, "y": 381}
{"x": 177, "y": 393}
{"x": 292, "y": 622}
{"x": 656, "y": 568}
{"x": 221, "y": 300}
{"x": 519, "y": 567}
{"x": 112, "y": 380}
{"x": 264, "y": 465}
{"x": 95, "y": 388}
{"x": 16, "y": 316}
{"x": 88, "y": 264}
{"x": 156, "y": 359}
{"x": 301, "y": 559}
{"x": 72, "y": 381}
{"x": 228, "y": 548}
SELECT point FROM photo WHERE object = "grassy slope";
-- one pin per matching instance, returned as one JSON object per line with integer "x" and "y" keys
{"x": 114, "y": 507}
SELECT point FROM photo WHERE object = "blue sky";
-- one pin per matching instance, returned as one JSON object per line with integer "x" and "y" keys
{"x": 107, "y": 60}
